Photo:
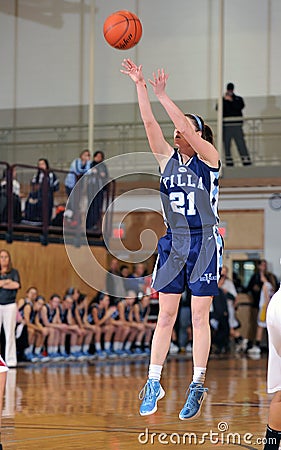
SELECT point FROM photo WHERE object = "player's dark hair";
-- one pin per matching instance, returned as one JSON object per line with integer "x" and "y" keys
{"x": 46, "y": 162}
{"x": 200, "y": 125}
{"x": 55, "y": 295}
{"x": 98, "y": 152}
{"x": 31, "y": 287}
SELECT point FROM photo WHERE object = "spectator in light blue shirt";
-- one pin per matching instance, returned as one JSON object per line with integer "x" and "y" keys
{"x": 78, "y": 167}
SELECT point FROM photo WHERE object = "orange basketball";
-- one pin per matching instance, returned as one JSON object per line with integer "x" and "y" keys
{"x": 122, "y": 30}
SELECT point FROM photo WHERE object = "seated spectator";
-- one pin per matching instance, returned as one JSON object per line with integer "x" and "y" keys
{"x": 266, "y": 294}
{"x": 96, "y": 185}
{"x": 38, "y": 336}
{"x": 72, "y": 329}
{"x": 254, "y": 290}
{"x": 184, "y": 322}
{"x": 59, "y": 216}
{"x": 34, "y": 202}
{"x": 126, "y": 318}
{"x": 50, "y": 318}
{"x": 16, "y": 198}
{"x": 219, "y": 323}
{"x": 90, "y": 330}
{"x": 227, "y": 286}
{"x": 115, "y": 286}
{"x": 100, "y": 314}
{"x": 136, "y": 281}
{"x": 141, "y": 316}
{"x": 22, "y": 341}
{"x": 78, "y": 168}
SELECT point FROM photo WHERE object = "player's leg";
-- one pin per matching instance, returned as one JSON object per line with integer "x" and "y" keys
{"x": 238, "y": 136}
{"x": 130, "y": 340}
{"x": 200, "y": 307}
{"x": 118, "y": 338}
{"x": 149, "y": 329}
{"x": 9, "y": 325}
{"x": 273, "y": 432}
{"x": 91, "y": 331}
{"x": 3, "y": 377}
{"x": 153, "y": 391}
{"x": 29, "y": 351}
{"x": 227, "y": 136}
{"x": 41, "y": 335}
{"x": 141, "y": 331}
{"x": 54, "y": 340}
{"x": 108, "y": 331}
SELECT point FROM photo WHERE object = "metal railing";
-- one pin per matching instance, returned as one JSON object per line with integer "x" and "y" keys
{"x": 14, "y": 219}
{"x": 60, "y": 144}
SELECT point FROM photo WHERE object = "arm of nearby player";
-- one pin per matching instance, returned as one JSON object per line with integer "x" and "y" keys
{"x": 204, "y": 149}
{"x": 159, "y": 146}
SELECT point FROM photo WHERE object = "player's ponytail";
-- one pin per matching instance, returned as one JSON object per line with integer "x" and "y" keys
{"x": 208, "y": 135}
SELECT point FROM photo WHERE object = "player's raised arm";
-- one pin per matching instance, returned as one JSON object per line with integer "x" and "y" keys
{"x": 157, "y": 142}
{"x": 204, "y": 149}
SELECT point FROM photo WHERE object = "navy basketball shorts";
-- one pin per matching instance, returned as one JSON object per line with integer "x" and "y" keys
{"x": 192, "y": 259}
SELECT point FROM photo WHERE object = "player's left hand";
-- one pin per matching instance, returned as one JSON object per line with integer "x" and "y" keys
{"x": 159, "y": 82}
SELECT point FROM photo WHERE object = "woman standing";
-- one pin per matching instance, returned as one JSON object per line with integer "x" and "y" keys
{"x": 9, "y": 285}
{"x": 190, "y": 253}
{"x": 53, "y": 184}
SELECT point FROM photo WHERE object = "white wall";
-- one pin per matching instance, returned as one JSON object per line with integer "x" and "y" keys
{"x": 44, "y": 53}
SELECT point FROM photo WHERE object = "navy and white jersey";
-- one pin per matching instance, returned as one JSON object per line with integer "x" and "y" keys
{"x": 189, "y": 194}
{"x": 50, "y": 313}
{"x": 63, "y": 315}
{"x": 81, "y": 312}
{"x": 100, "y": 311}
{"x": 21, "y": 309}
{"x": 143, "y": 311}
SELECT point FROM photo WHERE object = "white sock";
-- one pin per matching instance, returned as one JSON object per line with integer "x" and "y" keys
{"x": 107, "y": 345}
{"x": 37, "y": 350}
{"x": 86, "y": 347}
{"x": 28, "y": 350}
{"x": 73, "y": 349}
{"x": 199, "y": 374}
{"x": 128, "y": 345}
{"x": 154, "y": 371}
{"x": 98, "y": 346}
{"x": 117, "y": 345}
{"x": 62, "y": 348}
{"x": 52, "y": 349}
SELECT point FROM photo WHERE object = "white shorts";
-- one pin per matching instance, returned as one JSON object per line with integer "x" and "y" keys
{"x": 3, "y": 367}
{"x": 273, "y": 320}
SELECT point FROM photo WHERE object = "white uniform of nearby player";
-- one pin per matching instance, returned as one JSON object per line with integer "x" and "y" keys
{"x": 273, "y": 320}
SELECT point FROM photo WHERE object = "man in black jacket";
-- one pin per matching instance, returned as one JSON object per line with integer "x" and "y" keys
{"x": 232, "y": 129}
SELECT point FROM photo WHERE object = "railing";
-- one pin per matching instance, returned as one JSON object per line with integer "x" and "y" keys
{"x": 61, "y": 144}
{"x": 13, "y": 212}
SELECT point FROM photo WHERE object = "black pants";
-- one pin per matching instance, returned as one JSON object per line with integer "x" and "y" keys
{"x": 235, "y": 131}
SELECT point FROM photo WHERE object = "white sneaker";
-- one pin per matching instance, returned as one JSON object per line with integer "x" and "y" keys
{"x": 188, "y": 348}
{"x": 173, "y": 348}
{"x": 255, "y": 350}
{"x": 245, "y": 344}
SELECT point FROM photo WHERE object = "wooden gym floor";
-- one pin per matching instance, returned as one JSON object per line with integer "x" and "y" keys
{"x": 95, "y": 406}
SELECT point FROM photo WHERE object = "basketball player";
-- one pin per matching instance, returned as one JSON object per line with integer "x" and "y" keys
{"x": 273, "y": 319}
{"x": 191, "y": 250}
{"x": 3, "y": 375}
{"x": 141, "y": 315}
{"x": 100, "y": 315}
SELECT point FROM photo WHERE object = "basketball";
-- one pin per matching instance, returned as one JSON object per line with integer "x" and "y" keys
{"x": 122, "y": 30}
